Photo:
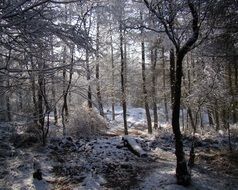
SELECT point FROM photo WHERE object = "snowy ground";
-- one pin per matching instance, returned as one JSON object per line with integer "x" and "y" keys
{"x": 105, "y": 163}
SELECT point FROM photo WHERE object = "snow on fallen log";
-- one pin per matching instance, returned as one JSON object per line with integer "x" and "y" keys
{"x": 133, "y": 146}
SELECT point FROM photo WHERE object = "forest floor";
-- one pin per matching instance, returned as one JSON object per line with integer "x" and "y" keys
{"x": 104, "y": 162}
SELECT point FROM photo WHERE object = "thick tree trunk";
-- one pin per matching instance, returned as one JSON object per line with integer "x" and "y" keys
{"x": 182, "y": 171}
{"x": 123, "y": 90}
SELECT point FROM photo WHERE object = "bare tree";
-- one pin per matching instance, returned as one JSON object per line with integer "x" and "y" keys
{"x": 154, "y": 84}
{"x": 98, "y": 89}
{"x": 177, "y": 38}
{"x": 145, "y": 94}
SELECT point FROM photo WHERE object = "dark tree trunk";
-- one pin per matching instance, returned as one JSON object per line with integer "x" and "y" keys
{"x": 229, "y": 136}
{"x": 123, "y": 90}
{"x": 183, "y": 123}
{"x": 98, "y": 89}
{"x": 147, "y": 110}
{"x": 172, "y": 74}
{"x": 54, "y": 101}
{"x": 145, "y": 94}
{"x": 90, "y": 105}
{"x": 65, "y": 102}
{"x": 164, "y": 87}
{"x": 210, "y": 118}
{"x": 9, "y": 117}
{"x": 41, "y": 115}
{"x": 217, "y": 116}
{"x": 201, "y": 120}
{"x": 113, "y": 77}
{"x": 33, "y": 89}
{"x": 8, "y": 103}
{"x": 187, "y": 120}
{"x": 235, "y": 91}
{"x": 154, "y": 84}
{"x": 236, "y": 72}
{"x": 232, "y": 91}
{"x": 64, "y": 111}
{"x": 20, "y": 99}
{"x": 193, "y": 123}
{"x": 182, "y": 171}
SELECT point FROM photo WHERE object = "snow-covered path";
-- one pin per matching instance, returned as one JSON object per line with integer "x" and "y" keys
{"x": 103, "y": 162}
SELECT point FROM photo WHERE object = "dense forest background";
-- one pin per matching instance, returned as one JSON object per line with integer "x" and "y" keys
{"x": 72, "y": 63}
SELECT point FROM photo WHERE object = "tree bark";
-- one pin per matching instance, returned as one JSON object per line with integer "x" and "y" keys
{"x": 64, "y": 112}
{"x": 54, "y": 100}
{"x": 182, "y": 171}
{"x": 113, "y": 76}
{"x": 154, "y": 84}
{"x": 235, "y": 91}
{"x": 145, "y": 94}
{"x": 99, "y": 97}
{"x": 217, "y": 116}
{"x": 123, "y": 91}
{"x": 210, "y": 118}
{"x": 164, "y": 87}
{"x": 90, "y": 105}
{"x": 65, "y": 102}
{"x": 33, "y": 89}
{"x": 172, "y": 74}
{"x": 41, "y": 115}
{"x": 193, "y": 123}
{"x": 8, "y": 103}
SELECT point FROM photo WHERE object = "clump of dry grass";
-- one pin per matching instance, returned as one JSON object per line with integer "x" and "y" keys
{"x": 87, "y": 122}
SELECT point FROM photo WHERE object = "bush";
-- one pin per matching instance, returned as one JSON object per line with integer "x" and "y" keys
{"x": 86, "y": 122}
